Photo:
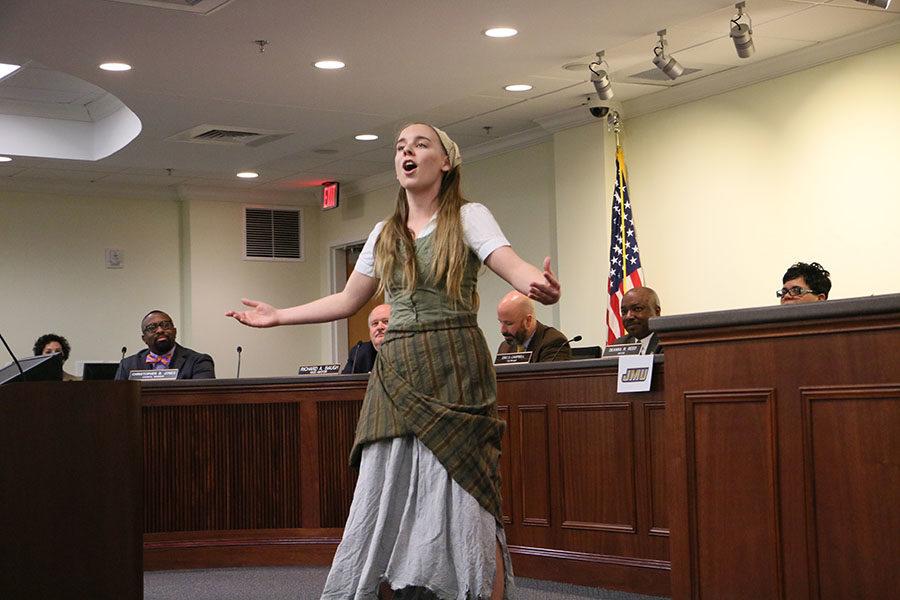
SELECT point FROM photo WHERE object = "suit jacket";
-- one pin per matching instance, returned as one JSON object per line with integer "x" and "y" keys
{"x": 361, "y": 358}
{"x": 190, "y": 364}
{"x": 652, "y": 348}
{"x": 547, "y": 344}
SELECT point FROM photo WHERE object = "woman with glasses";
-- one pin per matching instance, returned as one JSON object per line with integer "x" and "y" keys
{"x": 425, "y": 517}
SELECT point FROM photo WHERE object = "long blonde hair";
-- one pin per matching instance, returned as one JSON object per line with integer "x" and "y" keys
{"x": 448, "y": 261}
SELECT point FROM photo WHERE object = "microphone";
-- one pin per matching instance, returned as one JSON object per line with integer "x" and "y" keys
{"x": 15, "y": 360}
{"x": 124, "y": 350}
{"x": 239, "y": 350}
{"x": 355, "y": 356}
{"x": 577, "y": 338}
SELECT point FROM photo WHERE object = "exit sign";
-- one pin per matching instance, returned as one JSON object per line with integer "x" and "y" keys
{"x": 330, "y": 195}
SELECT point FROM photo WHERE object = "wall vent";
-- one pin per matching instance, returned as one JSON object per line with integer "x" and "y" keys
{"x": 273, "y": 234}
{"x": 203, "y": 7}
{"x": 228, "y": 135}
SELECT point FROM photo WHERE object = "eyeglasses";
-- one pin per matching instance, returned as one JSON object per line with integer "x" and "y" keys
{"x": 151, "y": 327}
{"x": 793, "y": 291}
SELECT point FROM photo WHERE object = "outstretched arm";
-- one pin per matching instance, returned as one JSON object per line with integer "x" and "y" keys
{"x": 526, "y": 278}
{"x": 355, "y": 294}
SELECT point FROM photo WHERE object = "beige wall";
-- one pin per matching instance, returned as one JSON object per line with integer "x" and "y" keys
{"x": 53, "y": 277}
{"x": 727, "y": 192}
{"x": 730, "y": 190}
{"x": 516, "y": 186}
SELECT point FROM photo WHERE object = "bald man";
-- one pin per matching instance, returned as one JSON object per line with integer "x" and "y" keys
{"x": 522, "y": 332}
{"x": 638, "y": 305}
{"x": 362, "y": 355}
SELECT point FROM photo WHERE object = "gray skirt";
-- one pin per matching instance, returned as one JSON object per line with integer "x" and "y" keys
{"x": 411, "y": 525}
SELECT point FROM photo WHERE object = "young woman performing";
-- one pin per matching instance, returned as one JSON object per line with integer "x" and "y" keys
{"x": 425, "y": 516}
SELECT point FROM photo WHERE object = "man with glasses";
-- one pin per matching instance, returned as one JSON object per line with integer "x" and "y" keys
{"x": 158, "y": 332}
{"x": 804, "y": 282}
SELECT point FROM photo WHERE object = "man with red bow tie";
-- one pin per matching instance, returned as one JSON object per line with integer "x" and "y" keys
{"x": 158, "y": 332}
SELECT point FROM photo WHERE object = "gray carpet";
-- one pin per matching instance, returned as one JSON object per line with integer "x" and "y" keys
{"x": 306, "y": 583}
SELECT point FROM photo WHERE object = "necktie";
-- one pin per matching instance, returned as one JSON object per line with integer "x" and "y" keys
{"x": 156, "y": 360}
{"x": 520, "y": 348}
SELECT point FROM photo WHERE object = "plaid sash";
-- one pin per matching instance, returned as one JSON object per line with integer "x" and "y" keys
{"x": 435, "y": 380}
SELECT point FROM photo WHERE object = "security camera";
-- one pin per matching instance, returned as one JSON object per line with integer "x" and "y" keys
{"x": 599, "y": 111}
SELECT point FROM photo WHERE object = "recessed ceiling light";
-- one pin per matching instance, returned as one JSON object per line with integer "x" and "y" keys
{"x": 367, "y": 137}
{"x": 248, "y": 175}
{"x": 517, "y": 87}
{"x": 6, "y": 69}
{"x": 329, "y": 64}
{"x": 500, "y": 32}
{"x": 5, "y": 159}
{"x": 115, "y": 66}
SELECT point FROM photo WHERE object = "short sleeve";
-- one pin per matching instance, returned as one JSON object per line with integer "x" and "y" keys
{"x": 365, "y": 264}
{"x": 482, "y": 233}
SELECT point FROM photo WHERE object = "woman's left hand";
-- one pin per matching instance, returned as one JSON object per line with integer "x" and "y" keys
{"x": 546, "y": 290}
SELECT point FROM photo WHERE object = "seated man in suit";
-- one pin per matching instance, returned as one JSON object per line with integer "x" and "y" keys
{"x": 362, "y": 355}
{"x": 804, "y": 283}
{"x": 158, "y": 332}
{"x": 638, "y": 305}
{"x": 522, "y": 332}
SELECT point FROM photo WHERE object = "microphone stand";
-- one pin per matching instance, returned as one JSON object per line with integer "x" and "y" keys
{"x": 355, "y": 356}
{"x": 15, "y": 360}
{"x": 577, "y": 338}
{"x": 239, "y": 350}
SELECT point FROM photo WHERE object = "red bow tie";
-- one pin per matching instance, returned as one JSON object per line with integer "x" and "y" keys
{"x": 164, "y": 360}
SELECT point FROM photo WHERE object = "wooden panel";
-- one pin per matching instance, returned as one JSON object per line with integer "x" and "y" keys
{"x": 733, "y": 489}
{"x": 336, "y": 428}
{"x": 506, "y": 505}
{"x": 655, "y": 436}
{"x": 221, "y": 467}
{"x": 70, "y": 490}
{"x": 534, "y": 462}
{"x": 852, "y": 447}
{"x": 596, "y": 456}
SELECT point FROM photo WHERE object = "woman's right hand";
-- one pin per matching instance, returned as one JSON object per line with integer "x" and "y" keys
{"x": 260, "y": 315}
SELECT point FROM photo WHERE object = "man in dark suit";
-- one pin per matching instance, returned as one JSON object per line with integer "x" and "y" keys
{"x": 638, "y": 305}
{"x": 158, "y": 332}
{"x": 523, "y": 333}
{"x": 363, "y": 354}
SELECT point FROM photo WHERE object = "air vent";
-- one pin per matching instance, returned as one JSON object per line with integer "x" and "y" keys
{"x": 203, "y": 7}
{"x": 273, "y": 234}
{"x": 228, "y": 135}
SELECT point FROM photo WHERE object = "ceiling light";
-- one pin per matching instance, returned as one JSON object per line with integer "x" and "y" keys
{"x": 367, "y": 137}
{"x": 115, "y": 66}
{"x": 742, "y": 33}
{"x": 5, "y": 159}
{"x": 517, "y": 87}
{"x": 7, "y": 69}
{"x": 879, "y": 3}
{"x": 600, "y": 77}
{"x": 329, "y": 64}
{"x": 500, "y": 32}
{"x": 248, "y": 174}
{"x": 667, "y": 64}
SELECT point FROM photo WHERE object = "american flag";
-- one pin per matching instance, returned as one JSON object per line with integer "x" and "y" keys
{"x": 622, "y": 243}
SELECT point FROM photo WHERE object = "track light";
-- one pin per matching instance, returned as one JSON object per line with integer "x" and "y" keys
{"x": 879, "y": 3}
{"x": 600, "y": 78}
{"x": 667, "y": 64}
{"x": 742, "y": 33}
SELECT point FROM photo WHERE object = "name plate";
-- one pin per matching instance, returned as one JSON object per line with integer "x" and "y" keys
{"x": 635, "y": 373}
{"x": 319, "y": 370}
{"x": 511, "y": 358}
{"x": 622, "y": 350}
{"x": 153, "y": 375}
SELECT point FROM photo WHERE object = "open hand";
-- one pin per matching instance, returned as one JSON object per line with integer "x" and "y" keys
{"x": 260, "y": 315}
{"x": 546, "y": 290}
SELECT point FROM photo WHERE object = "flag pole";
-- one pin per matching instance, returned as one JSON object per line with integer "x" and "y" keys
{"x": 614, "y": 123}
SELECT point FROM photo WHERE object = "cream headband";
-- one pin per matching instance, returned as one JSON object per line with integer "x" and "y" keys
{"x": 450, "y": 147}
